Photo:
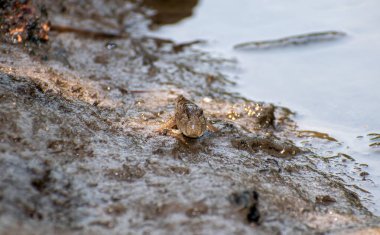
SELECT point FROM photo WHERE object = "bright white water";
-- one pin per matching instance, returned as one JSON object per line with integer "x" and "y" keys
{"x": 333, "y": 86}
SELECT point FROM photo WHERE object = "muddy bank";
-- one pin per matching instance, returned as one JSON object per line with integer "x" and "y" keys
{"x": 80, "y": 152}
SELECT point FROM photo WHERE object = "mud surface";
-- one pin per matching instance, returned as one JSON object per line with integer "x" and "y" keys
{"x": 80, "y": 152}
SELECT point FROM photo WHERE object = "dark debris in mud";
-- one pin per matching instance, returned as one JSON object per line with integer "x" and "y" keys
{"x": 247, "y": 201}
{"x": 23, "y": 22}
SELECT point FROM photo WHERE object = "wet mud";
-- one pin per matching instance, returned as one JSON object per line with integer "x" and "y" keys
{"x": 80, "y": 152}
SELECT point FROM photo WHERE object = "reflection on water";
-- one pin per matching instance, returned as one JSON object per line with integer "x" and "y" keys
{"x": 315, "y": 134}
{"x": 302, "y": 39}
{"x": 170, "y": 11}
{"x": 375, "y": 138}
{"x": 334, "y": 87}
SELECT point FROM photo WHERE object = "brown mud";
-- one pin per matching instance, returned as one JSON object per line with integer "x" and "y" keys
{"x": 80, "y": 154}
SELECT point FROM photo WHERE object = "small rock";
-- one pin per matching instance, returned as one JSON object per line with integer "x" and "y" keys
{"x": 116, "y": 209}
{"x": 198, "y": 208}
{"x": 111, "y": 45}
{"x": 324, "y": 199}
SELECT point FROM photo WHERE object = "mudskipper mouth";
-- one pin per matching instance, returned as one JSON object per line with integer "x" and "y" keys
{"x": 193, "y": 131}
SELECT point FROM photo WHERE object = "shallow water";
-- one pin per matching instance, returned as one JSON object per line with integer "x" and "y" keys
{"x": 334, "y": 87}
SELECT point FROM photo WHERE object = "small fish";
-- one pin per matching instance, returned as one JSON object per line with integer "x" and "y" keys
{"x": 189, "y": 119}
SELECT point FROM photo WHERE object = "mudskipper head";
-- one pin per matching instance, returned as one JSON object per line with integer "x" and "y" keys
{"x": 189, "y": 118}
{"x": 180, "y": 99}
